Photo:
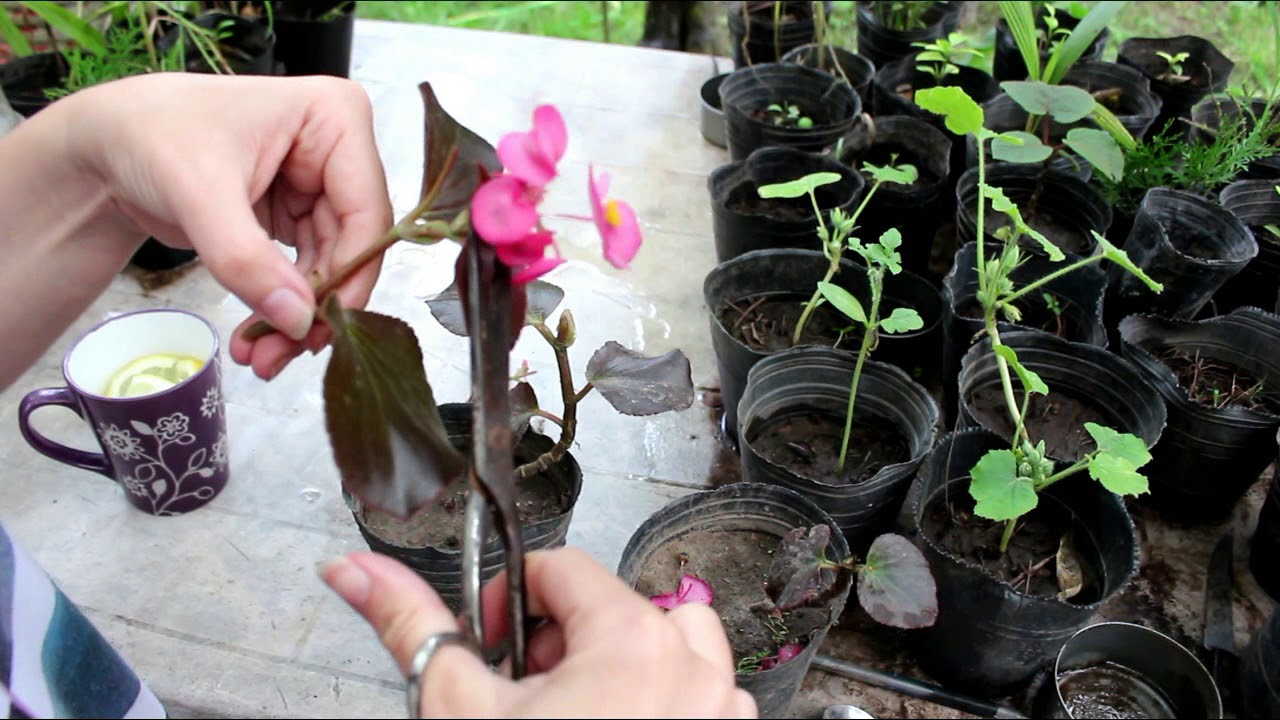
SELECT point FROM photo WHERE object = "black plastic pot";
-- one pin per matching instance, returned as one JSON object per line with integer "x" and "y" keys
{"x": 839, "y": 62}
{"x": 1207, "y": 457}
{"x": 882, "y": 44}
{"x": 1079, "y": 295}
{"x": 1264, "y": 546}
{"x": 1003, "y": 114}
{"x": 247, "y": 45}
{"x": 154, "y": 255}
{"x": 990, "y": 639}
{"x": 817, "y": 379}
{"x": 738, "y": 231}
{"x": 754, "y": 38}
{"x": 1260, "y": 671}
{"x": 745, "y": 508}
{"x": 1007, "y": 63}
{"x": 25, "y": 79}
{"x": 1101, "y": 382}
{"x": 915, "y": 210}
{"x": 442, "y": 567}
{"x": 890, "y": 77}
{"x": 787, "y": 274}
{"x": 710, "y": 116}
{"x": 1067, "y": 209}
{"x": 1207, "y": 116}
{"x": 1206, "y": 71}
{"x": 308, "y": 45}
{"x": 1257, "y": 205}
{"x": 1188, "y": 244}
{"x": 1136, "y": 107}
{"x": 830, "y": 103}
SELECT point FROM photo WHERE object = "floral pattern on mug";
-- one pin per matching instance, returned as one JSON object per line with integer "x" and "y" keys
{"x": 160, "y": 478}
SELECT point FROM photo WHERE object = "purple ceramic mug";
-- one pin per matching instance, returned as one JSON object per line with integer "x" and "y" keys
{"x": 168, "y": 449}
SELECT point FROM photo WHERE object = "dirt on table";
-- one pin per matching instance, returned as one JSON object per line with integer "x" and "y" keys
{"x": 736, "y": 565}
{"x": 765, "y": 323}
{"x": 808, "y": 444}
{"x": 1218, "y": 383}
{"x": 1058, "y": 418}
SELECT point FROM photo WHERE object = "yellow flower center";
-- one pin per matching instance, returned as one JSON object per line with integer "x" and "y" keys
{"x": 611, "y": 213}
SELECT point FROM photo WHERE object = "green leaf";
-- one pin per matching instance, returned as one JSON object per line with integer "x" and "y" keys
{"x": 635, "y": 384}
{"x": 1075, "y": 45}
{"x": 447, "y": 309}
{"x": 844, "y": 301}
{"x": 903, "y": 174}
{"x": 1027, "y": 149}
{"x": 1117, "y": 475}
{"x": 1122, "y": 445}
{"x": 1064, "y": 103}
{"x": 1099, "y": 148}
{"x": 961, "y": 114}
{"x": 388, "y": 441}
{"x": 1121, "y": 258}
{"x": 1108, "y": 121}
{"x": 798, "y": 187}
{"x": 901, "y": 320}
{"x": 1031, "y": 382}
{"x": 1020, "y": 17}
{"x": 891, "y": 239}
{"x": 1001, "y": 203}
{"x": 524, "y": 404}
{"x": 70, "y": 24}
{"x": 999, "y": 492}
{"x": 12, "y": 36}
{"x": 443, "y": 134}
{"x": 895, "y": 585}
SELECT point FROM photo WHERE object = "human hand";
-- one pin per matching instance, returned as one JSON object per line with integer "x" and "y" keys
{"x": 227, "y": 164}
{"x": 604, "y": 652}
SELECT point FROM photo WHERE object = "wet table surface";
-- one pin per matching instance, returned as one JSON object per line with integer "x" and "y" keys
{"x": 222, "y": 612}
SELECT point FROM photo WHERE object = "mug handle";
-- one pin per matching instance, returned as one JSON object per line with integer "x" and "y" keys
{"x": 64, "y": 397}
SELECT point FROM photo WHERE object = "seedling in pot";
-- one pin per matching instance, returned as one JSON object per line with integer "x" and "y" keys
{"x": 1006, "y": 483}
{"x": 787, "y": 115}
{"x": 1175, "y": 60}
{"x": 944, "y": 56}
{"x": 902, "y": 16}
{"x": 1064, "y": 47}
{"x": 1063, "y": 104}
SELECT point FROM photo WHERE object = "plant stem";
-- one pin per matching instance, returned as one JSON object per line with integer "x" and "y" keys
{"x": 1079, "y": 465}
{"x": 1032, "y": 286}
{"x": 982, "y": 207}
{"x": 876, "y": 278}
{"x": 1009, "y": 527}
{"x": 570, "y": 398}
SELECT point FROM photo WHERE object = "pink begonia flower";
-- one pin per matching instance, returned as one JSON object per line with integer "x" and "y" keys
{"x": 532, "y": 156}
{"x": 785, "y": 653}
{"x": 691, "y": 590}
{"x": 616, "y": 221}
{"x": 503, "y": 210}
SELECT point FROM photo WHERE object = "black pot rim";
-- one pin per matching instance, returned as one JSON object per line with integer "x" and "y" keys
{"x": 1167, "y": 193}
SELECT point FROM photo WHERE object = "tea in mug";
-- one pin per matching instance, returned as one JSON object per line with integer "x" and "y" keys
{"x": 151, "y": 374}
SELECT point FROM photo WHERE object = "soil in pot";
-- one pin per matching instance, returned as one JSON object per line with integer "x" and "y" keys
{"x": 765, "y": 323}
{"x": 1218, "y": 383}
{"x": 745, "y": 199}
{"x": 1046, "y": 311}
{"x": 1058, "y": 418}
{"x": 734, "y": 563}
{"x": 1064, "y": 235}
{"x": 808, "y": 444}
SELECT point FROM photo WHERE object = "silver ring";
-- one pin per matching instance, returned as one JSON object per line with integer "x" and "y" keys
{"x": 418, "y": 666}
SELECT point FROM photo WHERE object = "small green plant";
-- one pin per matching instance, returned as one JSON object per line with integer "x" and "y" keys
{"x": 788, "y": 115}
{"x": 944, "y": 56}
{"x": 1064, "y": 47}
{"x": 1175, "y": 61}
{"x": 902, "y": 16}
{"x": 1005, "y": 484}
{"x": 1054, "y": 33}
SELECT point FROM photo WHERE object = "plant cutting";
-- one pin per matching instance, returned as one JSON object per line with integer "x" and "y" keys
{"x": 1175, "y": 61}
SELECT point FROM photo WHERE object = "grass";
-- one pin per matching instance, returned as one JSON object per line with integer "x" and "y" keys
{"x": 1244, "y": 31}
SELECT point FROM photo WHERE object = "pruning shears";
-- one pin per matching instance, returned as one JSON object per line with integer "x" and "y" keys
{"x": 491, "y": 472}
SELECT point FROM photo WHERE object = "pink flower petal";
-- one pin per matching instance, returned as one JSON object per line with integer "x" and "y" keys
{"x": 551, "y": 134}
{"x": 530, "y": 249}
{"x": 666, "y": 601}
{"x": 789, "y": 651}
{"x": 501, "y": 210}
{"x": 536, "y": 269}
{"x": 532, "y": 156}
{"x": 621, "y": 243}
{"x": 694, "y": 590}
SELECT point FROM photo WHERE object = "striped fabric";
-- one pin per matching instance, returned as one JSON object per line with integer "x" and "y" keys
{"x": 53, "y": 662}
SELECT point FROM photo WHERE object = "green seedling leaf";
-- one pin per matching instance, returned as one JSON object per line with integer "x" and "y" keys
{"x": 961, "y": 114}
{"x": 447, "y": 308}
{"x": 12, "y": 36}
{"x": 1031, "y": 382}
{"x": 998, "y": 490}
{"x": 1019, "y": 147}
{"x": 1064, "y": 103}
{"x": 800, "y": 573}
{"x": 901, "y": 320}
{"x": 70, "y": 24}
{"x": 388, "y": 441}
{"x": 1001, "y": 203}
{"x": 1117, "y": 475}
{"x": 636, "y": 384}
{"x": 1099, "y": 148}
{"x": 1122, "y": 445}
{"x": 1121, "y": 258}
{"x": 903, "y": 174}
{"x": 1021, "y": 20}
{"x": 895, "y": 585}
{"x": 844, "y": 301}
{"x": 524, "y": 404}
{"x": 798, "y": 187}
{"x": 443, "y": 134}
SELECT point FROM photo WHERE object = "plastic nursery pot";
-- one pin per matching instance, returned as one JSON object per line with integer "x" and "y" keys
{"x": 742, "y": 221}
{"x": 1209, "y": 114}
{"x": 882, "y": 44}
{"x": 991, "y": 638}
{"x": 829, "y": 103}
{"x": 1121, "y": 89}
{"x": 308, "y": 45}
{"x": 916, "y": 210}
{"x": 839, "y": 62}
{"x": 1086, "y": 384}
{"x": 441, "y": 566}
{"x": 25, "y": 79}
{"x": 1264, "y": 546}
{"x": 1188, "y": 244}
{"x": 246, "y": 44}
{"x": 153, "y": 255}
{"x": 1007, "y": 62}
{"x": 1077, "y": 296}
{"x": 1257, "y": 205}
{"x": 792, "y": 417}
{"x": 1003, "y": 114}
{"x": 1206, "y": 70}
{"x": 1066, "y": 209}
{"x": 710, "y": 116}
{"x": 1259, "y": 670}
{"x": 755, "y": 38}
{"x": 1117, "y": 669}
{"x": 741, "y": 512}
{"x": 1208, "y": 456}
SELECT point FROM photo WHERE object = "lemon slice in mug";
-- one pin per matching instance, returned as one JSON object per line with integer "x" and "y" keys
{"x": 152, "y": 374}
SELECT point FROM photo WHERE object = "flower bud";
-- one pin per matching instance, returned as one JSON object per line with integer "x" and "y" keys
{"x": 566, "y": 331}
{"x": 1024, "y": 469}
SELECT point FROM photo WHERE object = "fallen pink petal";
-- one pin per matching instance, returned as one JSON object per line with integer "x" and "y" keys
{"x": 615, "y": 220}
{"x": 532, "y": 156}
{"x": 785, "y": 653}
{"x": 691, "y": 590}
